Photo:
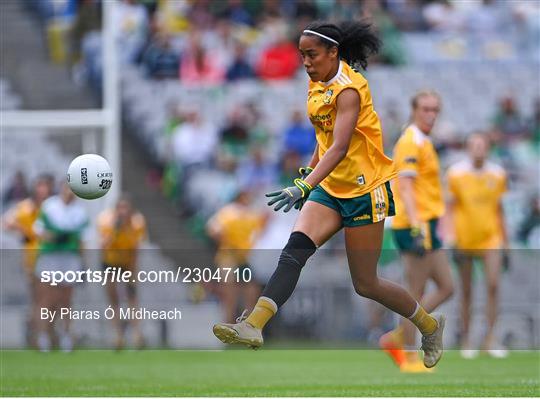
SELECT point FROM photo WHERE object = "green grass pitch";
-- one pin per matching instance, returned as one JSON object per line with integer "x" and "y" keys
{"x": 259, "y": 373}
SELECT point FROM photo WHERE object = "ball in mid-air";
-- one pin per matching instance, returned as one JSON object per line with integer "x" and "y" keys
{"x": 89, "y": 176}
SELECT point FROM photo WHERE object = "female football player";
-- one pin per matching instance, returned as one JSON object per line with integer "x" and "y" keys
{"x": 345, "y": 186}
{"x": 21, "y": 219}
{"x": 121, "y": 232}
{"x": 60, "y": 226}
{"x": 419, "y": 205}
{"x": 477, "y": 230}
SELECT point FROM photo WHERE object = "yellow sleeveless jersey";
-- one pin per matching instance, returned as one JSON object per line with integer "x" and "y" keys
{"x": 123, "y": 242}
{"x": 415, "y": 155}
{"x": 238, "y": 226}
{"x": 365, "y": 167}
{"x": 26, "y": 213}
{"x": 476, "y": 194}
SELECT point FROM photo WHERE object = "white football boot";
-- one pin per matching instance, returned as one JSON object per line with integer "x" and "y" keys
{"x": 501, "y": 353}
{"x": 240, "y": 332}
{"x": 469, "y": 353}
{"x": 432, "y": 344}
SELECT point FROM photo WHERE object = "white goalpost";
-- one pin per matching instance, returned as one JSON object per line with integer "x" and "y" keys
{"x": 106, "y": 119}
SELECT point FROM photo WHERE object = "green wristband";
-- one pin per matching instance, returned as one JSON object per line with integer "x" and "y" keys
{"x": 304, "y": 186}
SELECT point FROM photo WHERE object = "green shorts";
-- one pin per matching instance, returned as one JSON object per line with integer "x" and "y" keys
{"x": 369, "y": 208}
{"x": 404, "y": 239}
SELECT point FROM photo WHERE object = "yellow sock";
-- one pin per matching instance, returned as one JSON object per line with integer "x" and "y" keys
{"x": 262, "y": 313}
{"x": 424, "y": 321}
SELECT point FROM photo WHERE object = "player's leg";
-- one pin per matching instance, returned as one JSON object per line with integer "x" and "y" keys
{"x": 465, "y": 274}
{"x": 492, "y": 270}
{"x": 314, "y": 226}
{"x": 400, "y": 343}
{"x": 34, "y": 310}
{"x": 434, "y": 265}
{"x": 45, "y": 299}
{"x": 363, "y": 244}
{"x": 441, "y": 274}
{"x": 133, "y": 302}
{"x": 436, "y": 262}
{"x": 416, "y": 277}
{"x": 64, "y": 294}
{"x": 250, "y": 292}
{"x": 111, "y": 289}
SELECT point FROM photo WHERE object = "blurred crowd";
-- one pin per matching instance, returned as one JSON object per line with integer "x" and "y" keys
{"x": 215, "y": 41}
{"x": 212, "y": 42}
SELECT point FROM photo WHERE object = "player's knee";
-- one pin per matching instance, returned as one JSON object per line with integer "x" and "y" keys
{"x": 365, "y": 289}
{"x": 298, "y": 250}
{"x": 492, "y": 289}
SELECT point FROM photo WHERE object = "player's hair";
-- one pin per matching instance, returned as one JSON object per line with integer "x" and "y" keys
{"x": 478, "y": 135}
{"x": 125, "y": 197}
{"x": 354, "y": 39}
{"x": 423, "y": 93}
{"x": 46, "y": 178}
{"x": 42, "y": 178}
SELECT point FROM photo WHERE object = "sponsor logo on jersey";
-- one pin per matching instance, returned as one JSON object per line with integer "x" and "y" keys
{"x": 361, "y": 180}
{"x": 317, "y": 118}
{"x": 328, "y": 96}
{"x": 322, "y": 121}
{"x": 363, "y": 217}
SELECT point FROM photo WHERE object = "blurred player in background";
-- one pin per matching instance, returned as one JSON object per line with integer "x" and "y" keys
{"x": 477, "y": 230}
{"x": 121, "y": 232}
{"x": 235, "y": 228}
{"x": 345, "y": 186}
{"x": 21, "y": 219}
{"x": 17, "y": 190}
{"x": 59, "y": 227}
{"x": 419, "y": 205}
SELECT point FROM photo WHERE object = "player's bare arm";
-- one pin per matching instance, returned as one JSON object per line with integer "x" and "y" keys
{"x": 406, "y": 186}
{"x": 314, "y": 158}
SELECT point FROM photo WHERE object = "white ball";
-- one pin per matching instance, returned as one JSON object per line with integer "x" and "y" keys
{"x": 89, "y": 176}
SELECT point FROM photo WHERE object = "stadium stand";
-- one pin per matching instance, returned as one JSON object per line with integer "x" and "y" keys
{"x": 471, "y": 69}
{"x": 470, "y": 94}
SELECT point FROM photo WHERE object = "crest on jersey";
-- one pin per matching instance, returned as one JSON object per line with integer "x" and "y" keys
{"x": 328, "y": 96}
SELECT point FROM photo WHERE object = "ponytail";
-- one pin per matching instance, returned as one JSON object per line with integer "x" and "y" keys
{"x": 354, "y": 39}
